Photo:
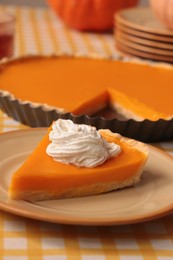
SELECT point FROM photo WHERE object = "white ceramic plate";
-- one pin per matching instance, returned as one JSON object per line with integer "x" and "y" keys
{"x": 151, "y": 198}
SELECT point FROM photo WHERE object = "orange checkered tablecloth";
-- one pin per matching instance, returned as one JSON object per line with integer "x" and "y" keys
{"x": 39, "y": 31}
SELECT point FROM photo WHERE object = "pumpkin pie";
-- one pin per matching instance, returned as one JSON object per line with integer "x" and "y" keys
{"x": 37, "y": 90}
{"x": 43, "y": 178}
{"x": 83, "y": 86}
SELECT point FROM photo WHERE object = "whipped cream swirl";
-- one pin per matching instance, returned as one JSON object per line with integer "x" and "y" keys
{"x": 81, "y": 145}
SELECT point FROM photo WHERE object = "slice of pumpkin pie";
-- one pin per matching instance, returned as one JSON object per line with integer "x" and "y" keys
{"x": 77, "y": 160}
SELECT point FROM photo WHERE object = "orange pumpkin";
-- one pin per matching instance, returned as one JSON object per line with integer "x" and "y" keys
{"x": 164, "y": 11}
{"x": 95, "y": 15}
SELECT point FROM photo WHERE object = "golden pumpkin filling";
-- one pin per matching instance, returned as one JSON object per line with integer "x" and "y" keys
{"x": 43, "y": 178}
{"x": 84, "y": 86}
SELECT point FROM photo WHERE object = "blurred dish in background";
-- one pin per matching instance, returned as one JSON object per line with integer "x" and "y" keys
{"x": 164, "y": 11}
{"x": 143, "y": 19}
{"x": 144, "y": 41}
{"x": 7, "y": 33}
{"x": 89, "y": 15}
{"x": 125, "y": 50}
{"x": 139, "y": 33}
